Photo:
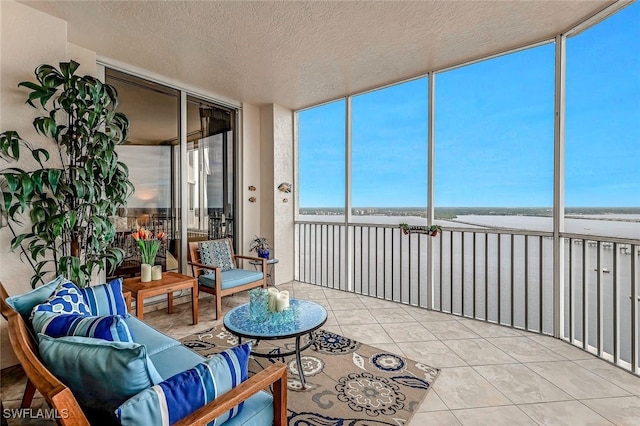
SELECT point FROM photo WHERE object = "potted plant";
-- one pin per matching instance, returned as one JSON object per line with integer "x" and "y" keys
{"x": 261, "y": 246}
{"x": 68, "y": 203}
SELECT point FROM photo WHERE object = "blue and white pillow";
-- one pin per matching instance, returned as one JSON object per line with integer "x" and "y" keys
{"x": 105, "y": 299}
{"x": 112, "y": 328}
{"x": 180, "y": 395}
{"x": 66, "y": 299}
{"x": 216, "y": 253}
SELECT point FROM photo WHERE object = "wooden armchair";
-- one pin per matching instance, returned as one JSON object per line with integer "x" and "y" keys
{"x": 219, "y": 282}
{"x": 60, "y": 397}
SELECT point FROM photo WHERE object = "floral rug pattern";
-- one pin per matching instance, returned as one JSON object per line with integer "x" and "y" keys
{"x": 348, "y": 383}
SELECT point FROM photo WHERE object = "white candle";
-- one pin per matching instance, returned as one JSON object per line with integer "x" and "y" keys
{"x": 282, "y": 303}
{"x": 271, "y": 299}
{"x": 156, "y": 272}
{"x": 145, "y": 273}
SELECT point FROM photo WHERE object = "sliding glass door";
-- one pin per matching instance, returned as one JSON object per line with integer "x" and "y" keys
{"x": 153, "y": 155}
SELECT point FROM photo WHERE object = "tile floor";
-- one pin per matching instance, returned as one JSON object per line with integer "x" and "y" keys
{"x": 491, "y": 375}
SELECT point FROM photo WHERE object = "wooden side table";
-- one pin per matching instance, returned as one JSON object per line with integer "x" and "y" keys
{"x": 170, "y": 282}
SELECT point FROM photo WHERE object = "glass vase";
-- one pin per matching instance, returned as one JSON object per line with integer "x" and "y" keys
{"x": 258, "y": 304}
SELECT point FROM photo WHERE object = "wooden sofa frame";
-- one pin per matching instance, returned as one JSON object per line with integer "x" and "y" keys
{"x": 200, "y": 268}
{"x": 60, "y": 398}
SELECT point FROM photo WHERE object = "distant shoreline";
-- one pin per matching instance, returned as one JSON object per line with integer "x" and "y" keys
{"x": 447, "y": 213}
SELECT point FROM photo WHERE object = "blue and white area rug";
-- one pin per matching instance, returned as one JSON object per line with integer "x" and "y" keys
{"x": 348, "y": 383}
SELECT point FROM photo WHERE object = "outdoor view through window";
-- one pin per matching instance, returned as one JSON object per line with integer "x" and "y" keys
{"x": 495, "y": 170}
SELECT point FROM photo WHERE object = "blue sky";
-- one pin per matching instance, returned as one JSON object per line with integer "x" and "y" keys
{"x": 493, "y": 131}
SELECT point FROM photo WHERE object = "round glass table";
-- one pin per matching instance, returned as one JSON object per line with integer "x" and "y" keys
{"x": 306, "y": 318}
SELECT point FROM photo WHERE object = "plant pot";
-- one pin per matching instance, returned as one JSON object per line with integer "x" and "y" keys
{"x": 263, "y": 253}
{"x": 145, "y": 273}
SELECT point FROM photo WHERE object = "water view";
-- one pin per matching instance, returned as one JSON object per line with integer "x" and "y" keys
{"x": 515, "y": 287}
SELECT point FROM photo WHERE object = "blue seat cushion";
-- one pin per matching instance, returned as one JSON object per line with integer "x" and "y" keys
{"x": 185, "y": 392}
{"x": 151, "y": 338}
{"x": 174, "y": 360}
{"x": 230, "y": 279}
{"x": 257, "y": 411}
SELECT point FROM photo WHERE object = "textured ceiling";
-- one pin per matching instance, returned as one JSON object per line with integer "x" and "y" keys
{"x": 298, "y": 54}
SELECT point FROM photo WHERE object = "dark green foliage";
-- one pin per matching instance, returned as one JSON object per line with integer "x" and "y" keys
{"x": 68, "y": 205}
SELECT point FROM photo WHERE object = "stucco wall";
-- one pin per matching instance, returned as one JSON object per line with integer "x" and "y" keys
{"x": 282, "y": 212}
{"x": 276, "y": 129}
{"x": 250, "y": 174}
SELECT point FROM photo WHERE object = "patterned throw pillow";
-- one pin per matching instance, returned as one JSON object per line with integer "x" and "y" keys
{"x": 105, "y": 299}
{"x": 112, "y": 328}
{"x": 180, "y": 395}
{"x": 66, "y": 299}
{"x": 216, "y": 253}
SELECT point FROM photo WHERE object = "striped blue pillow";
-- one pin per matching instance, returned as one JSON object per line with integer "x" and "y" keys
{"x": 173, "y": 399}
{"x": 112, "y": 328}
{"x": 105, "y": 299}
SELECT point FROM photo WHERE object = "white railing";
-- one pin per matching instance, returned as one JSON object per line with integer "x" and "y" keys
{"x": 500, "y": 276}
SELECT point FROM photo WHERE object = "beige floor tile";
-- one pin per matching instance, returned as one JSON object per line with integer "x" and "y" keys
{"x": 309, "y": 294}
{"x": 577, "y": 381}
{"x": 366, "y": 333}
{"x": 520, "y": 384}
{"x": 508, "y": 415}
{"x": 524, "y": 349}
{"x": 408, "y": 332}
{"x": 562, "y": 348}
{"x": 345, "y": 304}
{"x": 333, "y": 329}
{"x": 425, "y": 315}
{"x": 449, "y": 330}
{"x": 356, "y": 316}
{"x": 439, "y": 418}
{"x": 620, "y": 411}
{"x": 378, "y": 303}
{"x": 331, "y": 319}
{"x": 478, "y": 352}
{"x": 433, "y": 353}
{"x": 463, "y": 387}
{"x": 331, "y": 293}
{"x": 432, "y": 402}
{"x": 388, "y": 316}
{"x": 566, "y": 413}
{"x": 485, "y": 329}
{"x": 618, "y": 376}
{"x": 390, "y": 347}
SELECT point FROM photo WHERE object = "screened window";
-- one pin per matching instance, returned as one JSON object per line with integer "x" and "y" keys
{"x": 321, "y": 159}
{"x": 494, "y": 138}
{"x": 389, "y": 150}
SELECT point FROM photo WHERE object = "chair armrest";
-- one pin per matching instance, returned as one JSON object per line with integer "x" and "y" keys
{"x": 203, "y": 266}
{"x": 258, "y": 259}
{"x": 275, "y": 374}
